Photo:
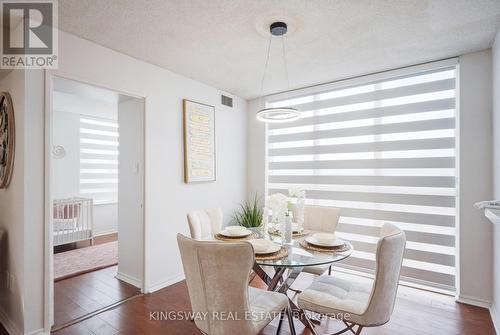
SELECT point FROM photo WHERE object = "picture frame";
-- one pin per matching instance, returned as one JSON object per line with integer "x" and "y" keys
{"x": 199, "y": 142}
{"x": 7, "y": 139}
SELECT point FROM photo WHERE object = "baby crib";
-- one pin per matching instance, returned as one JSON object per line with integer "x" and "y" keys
{"x": 73, "y": 220}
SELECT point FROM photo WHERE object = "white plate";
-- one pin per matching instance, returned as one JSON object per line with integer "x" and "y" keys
{"x": 268, "y": 249}
{"x": 240, "y": 234}
{"x": 335, "y": 243}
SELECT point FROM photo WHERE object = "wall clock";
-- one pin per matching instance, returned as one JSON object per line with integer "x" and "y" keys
{"x": 7, "y": 137}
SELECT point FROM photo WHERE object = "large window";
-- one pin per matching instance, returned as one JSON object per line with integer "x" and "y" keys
{"x": 383, "y": 149}
{"x": 99, "y": 159}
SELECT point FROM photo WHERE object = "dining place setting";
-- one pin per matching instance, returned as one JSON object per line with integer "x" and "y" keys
{"x": 270, "y": 245}
{"x": 278, "y": 242}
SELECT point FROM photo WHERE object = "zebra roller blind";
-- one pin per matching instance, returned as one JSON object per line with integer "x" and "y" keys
{"x": 99, "y": 159}
{"x": 383, "y": 150}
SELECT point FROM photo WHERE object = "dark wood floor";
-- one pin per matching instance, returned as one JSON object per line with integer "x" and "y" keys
{"x": 77, "y": 296}
{"x": 416, "y": 312}
{"x": 81, "y": 295}
{"x": 83, "y": 244}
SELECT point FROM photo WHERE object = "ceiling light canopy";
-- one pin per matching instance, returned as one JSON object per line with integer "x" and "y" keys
{"x": 277, "y": 114}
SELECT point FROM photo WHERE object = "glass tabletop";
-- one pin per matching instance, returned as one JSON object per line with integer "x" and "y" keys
{"x": 298, "y": 256}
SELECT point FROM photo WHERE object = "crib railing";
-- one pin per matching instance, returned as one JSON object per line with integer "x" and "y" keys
{"x": 73, "y": 220}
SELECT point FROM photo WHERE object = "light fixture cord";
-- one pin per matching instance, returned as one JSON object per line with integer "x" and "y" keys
{"x": 265, "y": 66}
{"x": 284, "y": 61}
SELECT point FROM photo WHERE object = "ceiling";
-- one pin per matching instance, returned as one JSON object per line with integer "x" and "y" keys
{"x": 223, "y": 42}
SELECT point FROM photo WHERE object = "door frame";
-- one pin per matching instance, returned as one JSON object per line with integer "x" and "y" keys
{"x": 49, "y": 76}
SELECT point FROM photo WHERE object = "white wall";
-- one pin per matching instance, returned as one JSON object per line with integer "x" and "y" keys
{"x": 105, "y": 219}
{"x": 66, "y": 170}
{"x": 495, "y": 310}
{"x": 22, "y": 208}
{"x": 131, "y": 191}
{"x": 475, "y": 173}
{"x": 33, "y": 207}
{"x": 256, "y": 149}
{"x": 476, "y": 177}
{"x": 12, "y": 215}
{"x": 168, "y": 199}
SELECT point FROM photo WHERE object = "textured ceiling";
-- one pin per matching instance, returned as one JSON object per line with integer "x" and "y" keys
{"x": 223, "y": 42}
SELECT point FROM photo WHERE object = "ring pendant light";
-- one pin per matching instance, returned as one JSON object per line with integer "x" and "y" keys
{"x": 277, "y": 114}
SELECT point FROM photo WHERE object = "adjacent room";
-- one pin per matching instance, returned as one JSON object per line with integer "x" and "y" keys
{"x": 96, "y": 192}
{"x": 250, "y": 167}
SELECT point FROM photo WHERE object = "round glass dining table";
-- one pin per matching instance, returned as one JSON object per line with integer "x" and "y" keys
{"x": 296, "y": 260}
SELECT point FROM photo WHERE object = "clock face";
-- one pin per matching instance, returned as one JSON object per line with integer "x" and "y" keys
{"x": 6, "y": 139}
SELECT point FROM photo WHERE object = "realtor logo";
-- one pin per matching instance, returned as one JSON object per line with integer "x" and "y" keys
{"x": 29, "y": 34}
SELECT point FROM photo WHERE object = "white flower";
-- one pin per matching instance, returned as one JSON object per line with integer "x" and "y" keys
{"x": 278, "y": 204}
{"x": 297, "y": 192}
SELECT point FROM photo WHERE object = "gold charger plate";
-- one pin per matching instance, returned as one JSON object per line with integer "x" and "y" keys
{"x": 306, "y": 245}
{"x": 283, "y": 252}
{"x": 221, "y": 237}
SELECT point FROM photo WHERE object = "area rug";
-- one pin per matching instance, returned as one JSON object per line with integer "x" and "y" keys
{"x": 76, "y": 262}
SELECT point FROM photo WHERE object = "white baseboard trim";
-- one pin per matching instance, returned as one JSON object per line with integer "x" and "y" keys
{"x": 474, "y": 301}
{"x": 102, "y": 233}
{"x": 494, "y": 318}
{"x": 39, "y": 332}
{"x": 129, "y": 279}
{"x": 164, "y": 283}
{"x": 9, "y": 326}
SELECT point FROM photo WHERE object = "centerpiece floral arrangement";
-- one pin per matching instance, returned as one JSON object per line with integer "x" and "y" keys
{"x": 278, "y": 204}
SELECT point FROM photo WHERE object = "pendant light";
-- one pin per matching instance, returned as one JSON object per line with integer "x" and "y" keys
{"x": 277, "y": 114}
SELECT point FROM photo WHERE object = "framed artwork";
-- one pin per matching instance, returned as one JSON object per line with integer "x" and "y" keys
{"x": 199, "y": 142}
{"x": 7, "y": 137}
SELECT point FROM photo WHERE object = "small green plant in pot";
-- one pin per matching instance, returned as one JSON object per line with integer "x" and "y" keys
{"x": 249, "y": 215}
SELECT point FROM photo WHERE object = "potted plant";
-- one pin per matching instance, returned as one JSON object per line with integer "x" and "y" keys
{"x": 249, "y": 215}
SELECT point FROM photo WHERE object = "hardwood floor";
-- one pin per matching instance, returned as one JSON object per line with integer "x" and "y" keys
{"x": 83, "y": 244}
{"x": 81, "y": 295}
{"x": 416, "y": 312}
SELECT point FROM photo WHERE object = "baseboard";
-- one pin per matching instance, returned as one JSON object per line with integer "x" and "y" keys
{"x": 103, "y": 233}
{"x": 494, "y": 317}
{"x": 164, "y": 283}
{"x": 129, "y": 279}
{"x": 474, "y": 301}
{"x": 9, "y": 326}
{"x": 39, "y": 332}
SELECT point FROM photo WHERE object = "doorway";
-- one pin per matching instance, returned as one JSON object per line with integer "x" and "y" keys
{"x": 95, "y": 199}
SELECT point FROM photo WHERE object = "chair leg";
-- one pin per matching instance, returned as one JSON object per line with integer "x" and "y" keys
{"x": 350, "y": 327}
{"x": 290, "y": 320}
{"x": 360, "y": 328}
{"x": 309, "y": 323}
{"x": 282, "y": 316}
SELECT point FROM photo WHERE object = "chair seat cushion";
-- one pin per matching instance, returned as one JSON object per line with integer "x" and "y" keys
{"x": 316, "y": 269}
{"x": 330, "y": 295}
{"x": 264, "y": 305}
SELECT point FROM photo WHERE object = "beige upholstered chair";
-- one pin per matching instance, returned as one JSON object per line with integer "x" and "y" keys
{"x": 216, "y": 275}
{"x": 361, "y": 304}
{"x": 324, "y": 219}
{"x": 203, "y": 224}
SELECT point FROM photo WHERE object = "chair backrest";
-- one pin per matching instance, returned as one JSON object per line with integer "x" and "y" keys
{"x": 217, "y": 280}
{"x": 320, "y": 218}
{"x": 203, "y": 224}
{"x": 390, "y": 251}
